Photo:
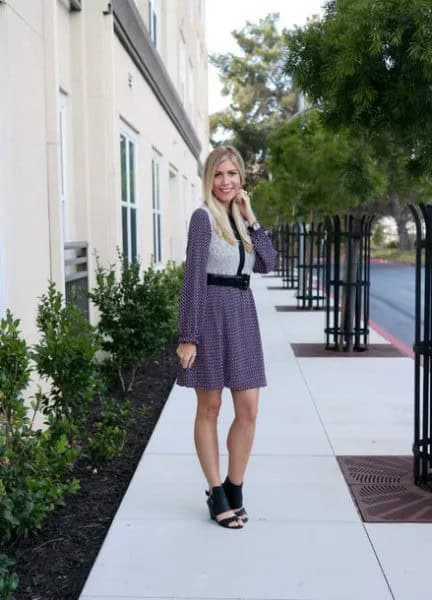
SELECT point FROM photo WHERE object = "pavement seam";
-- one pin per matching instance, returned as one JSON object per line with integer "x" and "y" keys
{"x": 315, "y": 406}
{"x": 348, "y": 490}
{"x": 378, "y": 560}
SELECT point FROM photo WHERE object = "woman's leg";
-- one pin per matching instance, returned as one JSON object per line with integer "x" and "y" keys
{"x": 205, "y": 434}
{"x": 242, "y": 432}
{"x": 206, "y": 441}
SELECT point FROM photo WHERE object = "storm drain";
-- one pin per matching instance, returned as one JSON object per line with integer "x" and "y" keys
{"x": 384, "y": 491}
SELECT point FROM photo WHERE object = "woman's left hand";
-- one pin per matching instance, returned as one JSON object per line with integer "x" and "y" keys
{"x": 244, "y": 203}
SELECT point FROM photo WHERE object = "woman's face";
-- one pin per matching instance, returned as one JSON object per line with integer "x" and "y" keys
{"x": 226, "y": 181}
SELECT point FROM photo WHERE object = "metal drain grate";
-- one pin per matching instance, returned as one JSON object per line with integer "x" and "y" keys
{"x": 384, "y": 491}
{"x": 377, "y": 469}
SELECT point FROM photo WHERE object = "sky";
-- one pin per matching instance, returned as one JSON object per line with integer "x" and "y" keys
{"x": 223, "y": 16}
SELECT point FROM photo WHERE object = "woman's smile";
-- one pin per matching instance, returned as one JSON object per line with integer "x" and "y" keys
{"x": 226, "y": 182}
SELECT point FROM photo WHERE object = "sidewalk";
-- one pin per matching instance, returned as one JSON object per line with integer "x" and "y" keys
{"x": 304, "y": 540}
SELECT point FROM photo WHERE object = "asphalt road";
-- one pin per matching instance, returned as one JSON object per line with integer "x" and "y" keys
{"x": 392, "y": 295}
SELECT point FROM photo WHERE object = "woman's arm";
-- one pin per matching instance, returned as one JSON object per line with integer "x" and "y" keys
{"x": 266, "y": 255}
{"x": 194, "y": 286}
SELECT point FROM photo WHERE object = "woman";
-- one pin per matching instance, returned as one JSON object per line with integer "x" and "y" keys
{"x": 219, "y": 337}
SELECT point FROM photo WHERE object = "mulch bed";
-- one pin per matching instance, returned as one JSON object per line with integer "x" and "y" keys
{"x": 54, "y": 564}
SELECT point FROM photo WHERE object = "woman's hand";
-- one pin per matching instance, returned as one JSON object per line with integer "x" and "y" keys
{"x": 244, "y": 203}
{"x": 187, "y": 353}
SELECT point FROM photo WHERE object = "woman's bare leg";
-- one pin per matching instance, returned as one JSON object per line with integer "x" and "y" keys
{"x": 206, "y": 439}
{"x": 205, "y": 433}
{"x": 242, "y": 432}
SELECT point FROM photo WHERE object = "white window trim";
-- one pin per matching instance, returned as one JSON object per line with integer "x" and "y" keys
{"x": 172, "y": 196}
{"x": 63, "y": 162}
{"x": 130, "y": 137}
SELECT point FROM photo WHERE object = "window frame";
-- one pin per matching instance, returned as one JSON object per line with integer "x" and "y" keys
{"x": 157, "y": 256}
{"x": 130, "y": 204}
{"x": 63, "y": 120}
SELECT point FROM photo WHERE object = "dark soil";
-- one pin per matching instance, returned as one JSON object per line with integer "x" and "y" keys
{"x": 54, "y": 564}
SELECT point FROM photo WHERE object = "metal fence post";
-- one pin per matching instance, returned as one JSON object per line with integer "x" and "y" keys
{"x": 311, "y": 266}
{"x": 292, "y": 233}
{"x": 277, "y": 241}
{"x": 347, "y": 283}
{"x": 422, "y": 446}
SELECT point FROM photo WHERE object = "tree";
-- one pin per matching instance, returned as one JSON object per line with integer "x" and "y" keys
{"x": 317, "y": 172}
{"x": 403, "y": 186}
{"x": 368, "y": 65}
{"x": 262, "y": 94}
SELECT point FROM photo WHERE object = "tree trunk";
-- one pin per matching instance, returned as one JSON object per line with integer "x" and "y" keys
{"x": 349, "y": 289}
{"x": 400, "y": 215}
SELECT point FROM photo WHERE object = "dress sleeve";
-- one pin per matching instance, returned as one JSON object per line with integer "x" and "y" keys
{"x": 193, "y": 291}
{"x": 266, "y": 255}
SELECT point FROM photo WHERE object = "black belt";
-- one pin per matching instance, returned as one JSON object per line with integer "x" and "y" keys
{"x": 238, "y": 281}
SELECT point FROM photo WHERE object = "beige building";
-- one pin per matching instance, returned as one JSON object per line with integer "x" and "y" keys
{"x": 103, "y": 131}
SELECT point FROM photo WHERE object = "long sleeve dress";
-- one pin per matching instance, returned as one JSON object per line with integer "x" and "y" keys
{"x": 222, "y": 321}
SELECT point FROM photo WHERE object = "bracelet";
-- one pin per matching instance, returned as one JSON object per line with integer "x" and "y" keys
{"x": 254, "y": 226}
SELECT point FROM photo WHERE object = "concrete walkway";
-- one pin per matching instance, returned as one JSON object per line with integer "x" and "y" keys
{"x": 304, "y": 540}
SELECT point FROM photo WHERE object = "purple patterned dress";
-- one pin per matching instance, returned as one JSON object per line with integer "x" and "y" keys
{"x": 222, "y": 321}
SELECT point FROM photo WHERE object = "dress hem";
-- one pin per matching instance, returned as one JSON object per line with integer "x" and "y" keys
{"x": 212, "y": 387}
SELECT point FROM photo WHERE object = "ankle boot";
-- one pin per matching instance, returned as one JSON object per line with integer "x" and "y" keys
{"x": 234, "y": 494}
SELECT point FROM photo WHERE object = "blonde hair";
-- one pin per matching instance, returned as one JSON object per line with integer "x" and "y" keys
{"x": 220, "y": 215}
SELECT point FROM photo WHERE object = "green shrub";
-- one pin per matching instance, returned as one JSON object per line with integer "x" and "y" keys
{"x": 34, "y": 472}
{"x": 14, "y": 375}
{"x": 75, "y": 406}
{"x": 107, "y": 436}
{"x": 8, "y": 580}
{"x": 172, "y": 279}
{"x": 136, "y": 315}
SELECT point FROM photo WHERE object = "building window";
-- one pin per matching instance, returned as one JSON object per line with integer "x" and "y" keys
{"x": 175, "y": 215}
{"x": 153, "y": 21}
{"x": 182, "y": 69}
{"x": 157, "y": 228}
{"x": 128, "y": 198}
{"x": 63, "y": 158}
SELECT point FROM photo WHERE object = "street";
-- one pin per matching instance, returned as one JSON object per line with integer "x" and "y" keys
{"x": 392, "y": 300}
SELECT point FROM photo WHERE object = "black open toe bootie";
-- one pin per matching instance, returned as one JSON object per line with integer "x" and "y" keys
{"x": 218, "y": 503}
{"x": 234, "y": 494}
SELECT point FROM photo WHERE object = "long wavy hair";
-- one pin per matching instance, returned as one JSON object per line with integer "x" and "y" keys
{"x": 221, "y": 219}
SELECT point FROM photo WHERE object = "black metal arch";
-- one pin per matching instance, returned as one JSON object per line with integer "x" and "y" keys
{"x": 422, "y": 446}
{"x": 347, "y": 282}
